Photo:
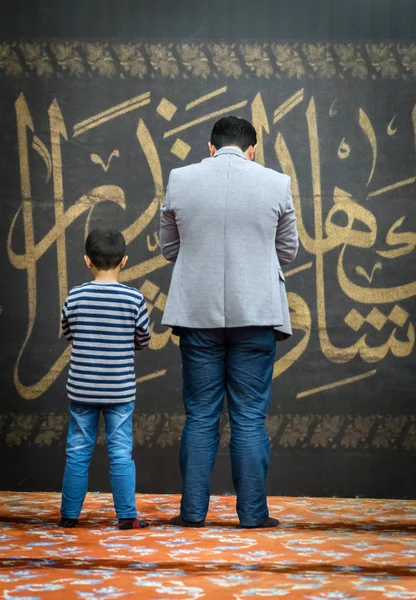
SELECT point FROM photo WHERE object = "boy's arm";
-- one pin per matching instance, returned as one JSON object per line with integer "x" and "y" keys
{"x": 66, "y": 330}
{"x": 142, "y": 332}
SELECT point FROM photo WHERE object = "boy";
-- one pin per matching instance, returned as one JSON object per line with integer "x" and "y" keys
{"x": 105, "y": 322}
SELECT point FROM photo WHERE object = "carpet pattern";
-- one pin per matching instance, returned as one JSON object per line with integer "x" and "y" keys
{"x": 325, "y": 548}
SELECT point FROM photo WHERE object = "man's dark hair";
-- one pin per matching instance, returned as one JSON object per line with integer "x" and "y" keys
{"x": 105, "y": 248}
{"x": 232, "y": 131}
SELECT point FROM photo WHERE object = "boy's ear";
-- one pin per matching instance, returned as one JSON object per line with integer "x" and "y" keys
{"x": 123, "y": 261}
{"x": 88, "y": 262}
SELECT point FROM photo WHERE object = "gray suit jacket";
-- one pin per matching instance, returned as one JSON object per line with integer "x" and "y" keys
{"x": 229, "y": 225}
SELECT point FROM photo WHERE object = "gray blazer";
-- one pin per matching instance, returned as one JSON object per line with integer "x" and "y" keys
{"x": 229, "y": 225}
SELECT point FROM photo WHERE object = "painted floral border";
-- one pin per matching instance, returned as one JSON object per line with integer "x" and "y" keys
{"x": 209, "y": 60}
{"x": 347, "y": 432}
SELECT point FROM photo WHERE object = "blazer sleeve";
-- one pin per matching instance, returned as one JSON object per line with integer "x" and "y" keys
{"x": 287, "y": 238}
{"x": 169, "y": 233}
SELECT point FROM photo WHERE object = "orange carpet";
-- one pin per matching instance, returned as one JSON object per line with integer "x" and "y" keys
{"x": 324, "y": 549}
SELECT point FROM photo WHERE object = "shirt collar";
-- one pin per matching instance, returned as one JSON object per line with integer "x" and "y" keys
{"x": 230, "y": 150}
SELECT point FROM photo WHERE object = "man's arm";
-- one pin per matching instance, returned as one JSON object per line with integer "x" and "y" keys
{"x": 142, "y": 332}
{"x": 169, "y": 234}
{"x": 66, "y": 330}
{"x": 287, "y": 238}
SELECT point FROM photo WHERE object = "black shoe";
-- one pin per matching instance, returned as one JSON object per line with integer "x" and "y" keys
{"x": 67, "y": 522}
{"x": 125, "y": 524}
{"x": 266, "y": 525}
{"x": 178, "y": 521}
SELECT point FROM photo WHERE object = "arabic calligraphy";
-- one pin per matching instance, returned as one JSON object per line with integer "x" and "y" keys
{"x": 346, "y": 250}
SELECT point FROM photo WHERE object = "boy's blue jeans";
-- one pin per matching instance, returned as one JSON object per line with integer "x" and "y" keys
{"x": 82, "y": 434}
{"x": 237, "y": 362}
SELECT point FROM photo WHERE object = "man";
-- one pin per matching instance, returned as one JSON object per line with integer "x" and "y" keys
{"x": 229, "y": 225}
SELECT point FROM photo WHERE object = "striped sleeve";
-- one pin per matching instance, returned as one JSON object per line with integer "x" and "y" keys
{"x": 66, "y": 330}
{"x": 142, "y": 331}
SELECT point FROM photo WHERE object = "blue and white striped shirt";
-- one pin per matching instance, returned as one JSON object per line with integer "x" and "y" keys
{"x": 106, "y": 323}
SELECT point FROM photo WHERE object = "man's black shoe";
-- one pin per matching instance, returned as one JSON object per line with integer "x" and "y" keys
{"x": 266, "y": 525}
{"x": 178, "y": 521}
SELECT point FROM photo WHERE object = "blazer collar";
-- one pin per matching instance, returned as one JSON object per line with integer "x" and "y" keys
{"x": 230, "y": 150}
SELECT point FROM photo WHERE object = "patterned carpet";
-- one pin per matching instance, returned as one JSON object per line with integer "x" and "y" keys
{"x": 325, "y": 549}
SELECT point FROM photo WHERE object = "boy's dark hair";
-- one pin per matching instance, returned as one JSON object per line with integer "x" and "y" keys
{"x": 105, "y": 248}
{"x": 233, "y": 131}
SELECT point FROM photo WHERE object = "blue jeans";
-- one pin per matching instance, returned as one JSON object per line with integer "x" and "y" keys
{"x": 82, "y": 434}
{"x": 237, "y": 362}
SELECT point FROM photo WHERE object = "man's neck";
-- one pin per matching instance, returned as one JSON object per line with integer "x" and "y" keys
{"x": 235, "y": 147}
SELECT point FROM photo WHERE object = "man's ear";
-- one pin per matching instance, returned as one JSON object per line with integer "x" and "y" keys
{"x": 212, "y": 149}
{"x": 123, "y": 261}
{"x": 88, "y": 262}
{"x": 251, "y": 152}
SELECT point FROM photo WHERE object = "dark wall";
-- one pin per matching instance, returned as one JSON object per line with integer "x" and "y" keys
{"x": 187, "y": 20}
{"x": 331, "y": 89}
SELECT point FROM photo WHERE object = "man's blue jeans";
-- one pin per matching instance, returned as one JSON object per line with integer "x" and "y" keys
{"x": 237, "y": 362}
{"x": 82, "y": 434}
